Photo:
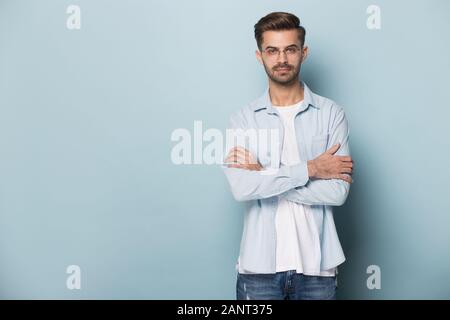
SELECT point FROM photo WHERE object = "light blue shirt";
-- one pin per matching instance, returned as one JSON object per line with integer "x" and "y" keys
{"x": 319, "y": 124}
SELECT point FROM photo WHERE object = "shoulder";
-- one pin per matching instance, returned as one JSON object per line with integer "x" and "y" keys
{"x": 327, "y": 106}
{"x": 239, "y": 116}
{"x": 245, "y": 113}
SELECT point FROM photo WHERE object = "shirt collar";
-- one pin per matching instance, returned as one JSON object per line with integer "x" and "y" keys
{"x": 264, "y": 101}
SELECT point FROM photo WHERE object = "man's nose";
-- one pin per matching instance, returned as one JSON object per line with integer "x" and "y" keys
{"x": 282, "y": 56}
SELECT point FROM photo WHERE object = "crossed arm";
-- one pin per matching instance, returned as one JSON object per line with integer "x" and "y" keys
{"x": 297, "y": 183}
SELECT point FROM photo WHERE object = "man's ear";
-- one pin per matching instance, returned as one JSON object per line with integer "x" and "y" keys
{"x": 305, "y": 53}
{"x": 258, "y": 56}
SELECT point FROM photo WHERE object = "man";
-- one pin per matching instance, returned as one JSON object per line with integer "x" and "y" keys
{"x": 289, "y": 247}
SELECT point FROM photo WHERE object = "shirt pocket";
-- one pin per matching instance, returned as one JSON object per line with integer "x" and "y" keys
{"x": 318, "y": 145}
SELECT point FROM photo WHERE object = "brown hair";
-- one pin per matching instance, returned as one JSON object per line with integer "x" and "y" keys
{"x": 278, "y": 21}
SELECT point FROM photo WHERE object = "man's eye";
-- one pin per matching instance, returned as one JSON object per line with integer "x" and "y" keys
{"x": 272, "y": 51}
{"x": 291, "y": 50}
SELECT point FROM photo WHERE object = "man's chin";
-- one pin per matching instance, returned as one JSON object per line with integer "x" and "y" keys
{"x": 283, "y": 80}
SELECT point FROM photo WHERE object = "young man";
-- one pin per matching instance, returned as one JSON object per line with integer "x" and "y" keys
{"x": 289, "y": 248}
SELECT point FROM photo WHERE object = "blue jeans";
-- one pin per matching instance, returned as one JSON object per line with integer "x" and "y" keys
{"x": 286, "y": 285}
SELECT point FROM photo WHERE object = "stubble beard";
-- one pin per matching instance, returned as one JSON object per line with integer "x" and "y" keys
{"x": 283, "y": 80}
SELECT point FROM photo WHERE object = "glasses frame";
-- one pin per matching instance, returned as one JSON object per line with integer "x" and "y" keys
{"x": 278, "y": 51}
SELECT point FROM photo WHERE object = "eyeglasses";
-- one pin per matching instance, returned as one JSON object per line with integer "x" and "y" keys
{"x": 275, "y": 52}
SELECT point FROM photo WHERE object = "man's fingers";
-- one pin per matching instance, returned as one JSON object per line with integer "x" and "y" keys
{"x": 244, "y": 166}
{"x": 240, "y": 154}
{"x": 333, "y": 149}
{"x": 235, "y": 157}
{"x": 347, "y": 170}
{"x": 240, "y": 157}
{"x": 345, "y": 158}
{"x": 347, "y": 164}
{"x": 236, "y": 151}
{"x": 239, "y": 149}
{"x": 235, "y": 165}
{"x": 242, "y": 151}
{"x": 345, "y": 178}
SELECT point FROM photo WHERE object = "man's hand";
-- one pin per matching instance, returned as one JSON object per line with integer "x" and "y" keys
{"x": 241, "y": 158}
{"x": 325, "y": 166}
{"x": 330, "y": 166}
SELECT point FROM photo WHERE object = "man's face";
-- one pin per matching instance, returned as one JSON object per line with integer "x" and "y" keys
{"x": 282, "y": 55}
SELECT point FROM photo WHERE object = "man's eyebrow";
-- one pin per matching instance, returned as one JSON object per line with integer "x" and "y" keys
{"x": 291, "y": 45}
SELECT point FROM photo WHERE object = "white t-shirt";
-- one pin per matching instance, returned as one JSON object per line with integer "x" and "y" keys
{"x": 298, "y": 243}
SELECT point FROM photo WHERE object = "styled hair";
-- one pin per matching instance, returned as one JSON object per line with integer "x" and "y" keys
{"x": 276, "y": 21}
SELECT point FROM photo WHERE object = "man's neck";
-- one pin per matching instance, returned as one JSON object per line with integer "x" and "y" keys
{"x": 282, "y": 95}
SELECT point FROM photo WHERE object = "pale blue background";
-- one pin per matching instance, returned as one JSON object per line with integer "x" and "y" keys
{"x": 85, "y": 124}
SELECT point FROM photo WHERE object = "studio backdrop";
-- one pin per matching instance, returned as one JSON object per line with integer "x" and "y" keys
{"x": 97, "y": 98}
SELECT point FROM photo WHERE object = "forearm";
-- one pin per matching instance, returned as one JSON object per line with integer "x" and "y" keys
{"x": 331, "y": 192}
{"x": 250, "y": 185}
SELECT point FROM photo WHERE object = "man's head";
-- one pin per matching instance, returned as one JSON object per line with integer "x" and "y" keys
{"x": 280, "y": 40}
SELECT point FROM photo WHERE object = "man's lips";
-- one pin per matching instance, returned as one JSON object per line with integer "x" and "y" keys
{"x": 282, "y": 69}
